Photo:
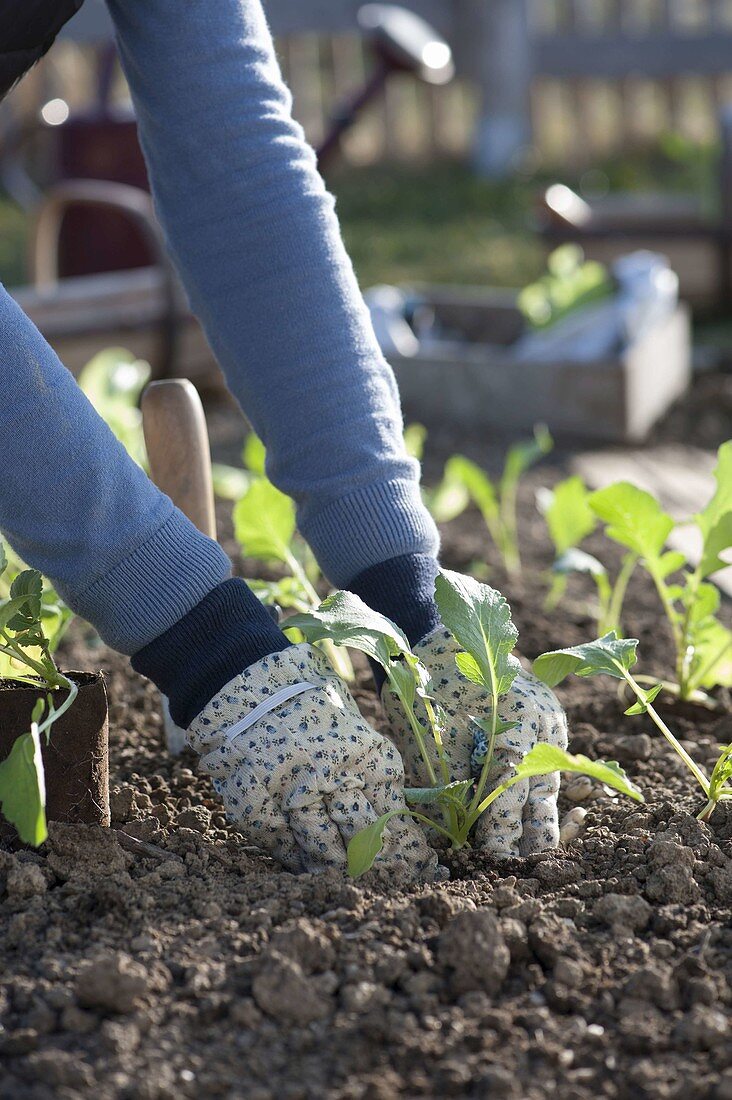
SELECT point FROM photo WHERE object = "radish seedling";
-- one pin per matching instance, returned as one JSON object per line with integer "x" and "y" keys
{"x": 113, "y": 381}
{"x": 635, "y": 520}
{"x": 479, "y": 619}
{"x": 613, "y": 656}
{"x": 464, "y": 481}
{"x": 24, "y": 641}
{"x": 570, "y": 519}
{"x": 265, "y": 528}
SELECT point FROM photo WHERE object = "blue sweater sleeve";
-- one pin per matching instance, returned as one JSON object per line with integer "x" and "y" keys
{"x": 254, "y": 235}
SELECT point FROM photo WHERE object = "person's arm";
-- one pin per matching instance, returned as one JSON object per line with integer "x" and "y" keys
{"x": 255, "y": 238}
{"x": 74, "y": 505}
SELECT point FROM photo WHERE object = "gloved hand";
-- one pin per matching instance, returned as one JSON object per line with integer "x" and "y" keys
{"x": 298, "y": 768}
{"x": 524, "y": 819}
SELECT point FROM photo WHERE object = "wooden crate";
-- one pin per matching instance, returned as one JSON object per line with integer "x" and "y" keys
{"x": 482, "y": 387}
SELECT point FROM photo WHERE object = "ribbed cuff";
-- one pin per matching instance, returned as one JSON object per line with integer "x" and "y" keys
{"x": 225, "y": 633}
{"x": 369, "y": 527}
{"x": 154, "y": 586}
{"x": 403, "y": 589}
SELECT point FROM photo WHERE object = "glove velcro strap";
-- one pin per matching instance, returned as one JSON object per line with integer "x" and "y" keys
{"x": 282, "y": 695}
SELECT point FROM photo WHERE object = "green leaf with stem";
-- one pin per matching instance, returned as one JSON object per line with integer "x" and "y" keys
{"x": 479, "y": 619}
{"x": 23, "y": 789}
{"x": 568, "y": 515}
{"x": 612, "y": 656}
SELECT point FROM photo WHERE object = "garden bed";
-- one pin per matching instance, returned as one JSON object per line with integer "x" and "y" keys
{"x": 189, "y": 965}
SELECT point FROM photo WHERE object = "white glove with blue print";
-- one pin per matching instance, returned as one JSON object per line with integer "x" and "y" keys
{"x": 299, "y": 769}
{"x": 524, "y": 819}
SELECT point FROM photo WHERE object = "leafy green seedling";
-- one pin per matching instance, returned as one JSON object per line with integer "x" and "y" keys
{"x": 479, "y": 619}
{"x": 635, "y": 520}
{"x": 570, "y": 519}
{"x": 231, "y": 482}
{"x": 113, "y": 381}
{"x": 265, "y": 528}
{"x": 464, "y": 481}
{"x": 24, "y": 641}
{"x": 569, "y": 284}
{"x": 613, "y": 656}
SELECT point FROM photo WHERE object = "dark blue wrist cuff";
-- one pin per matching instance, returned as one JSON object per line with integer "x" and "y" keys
{"x": 222, "y": 635}
{"x": 403, "y": 589}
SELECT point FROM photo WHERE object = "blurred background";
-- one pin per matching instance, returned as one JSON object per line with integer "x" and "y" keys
{"x": 468, "y": 148}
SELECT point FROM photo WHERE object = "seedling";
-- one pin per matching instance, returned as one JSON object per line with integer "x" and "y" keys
{"x": 264, "y": 527}
{"x": 613, "y": 656}
{"x": 479, "y": 619}
{"x": 24, "y": 641}
{"x": 570, "y": 519}
{"x": 113, "y": 381}
{"x": 464, "y": 481}
{"x": 635, "y": 520}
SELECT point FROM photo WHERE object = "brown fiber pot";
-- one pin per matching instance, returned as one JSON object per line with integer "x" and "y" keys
{"x": 75, "y": 758}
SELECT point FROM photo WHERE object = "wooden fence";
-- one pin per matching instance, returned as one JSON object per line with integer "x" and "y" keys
{"x": 568, "y": 79}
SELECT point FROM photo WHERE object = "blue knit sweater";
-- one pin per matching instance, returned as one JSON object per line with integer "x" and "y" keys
{"x": 254, "y": 236}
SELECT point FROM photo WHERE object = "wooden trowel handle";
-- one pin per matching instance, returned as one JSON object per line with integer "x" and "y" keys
{"x": 178, "y": 449}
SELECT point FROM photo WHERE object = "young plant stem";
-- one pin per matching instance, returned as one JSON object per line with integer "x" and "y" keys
{"x": 339, "y": 660}
{"x": 617, "y": 598}
{"x": 661, "y": 725}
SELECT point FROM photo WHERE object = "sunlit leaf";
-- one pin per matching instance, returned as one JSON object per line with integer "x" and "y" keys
{"x": 23, "y": 789}
{"x": 264, "y": 522}
{"x": 607, "y": 655}
{"x": 544, "y": 759}
{"x": 568, "y": 514}
{"x": 479, "y": 618}
{"x": 633, "y": 517}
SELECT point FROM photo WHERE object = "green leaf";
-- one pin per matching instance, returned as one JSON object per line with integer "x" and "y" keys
{"x": 479, "y": 618}
{"x": 264, "y": 522}
{"x": 577, "y": 561}
{"x": 568, "y": 514}
{"x": 718, "y": 538}
{"x": 633, "y": 518}
{"x": 9, "y": 610}
{"x": 450, "y": 792}
{"x": 722, "y": 773}
{"x": 544, "y": 759}
{"x": 461, "y": 471}
{"x": 27, "y": 586}
{"x": 712, "y": 657}
{"x": 415, "y": 436}
{"x": 521, "y": 456}
{"x": 254, "y": 454}
{"x": 449, "y": 500}
{"x": 346, "y": 620}
{"x": 642, "y": 707}
{"x": 113, "y": 382}
{"x": 23, "y": 789}
{"x": 3, "y": 559}
{"x": 670, "y": 562}
{"x": 602, "y": 656}
{"x": 229, "y": 482}
{"x": 721, "y": 502}
{"x": 364, "y": 847}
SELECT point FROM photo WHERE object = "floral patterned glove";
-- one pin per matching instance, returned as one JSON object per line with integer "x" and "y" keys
{"x": 298, "y": 768}
{"x": 524, "y": 819}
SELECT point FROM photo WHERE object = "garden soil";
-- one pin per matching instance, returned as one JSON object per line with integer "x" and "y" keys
{"x": 165, "y": 958}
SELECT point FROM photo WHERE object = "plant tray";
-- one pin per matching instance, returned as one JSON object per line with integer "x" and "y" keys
{"x": 477, "y": 382}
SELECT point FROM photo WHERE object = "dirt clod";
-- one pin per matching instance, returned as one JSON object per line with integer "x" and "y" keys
{"x": 112, "y": 982}
{"x": 622, "y": 912}
{"x": 474, "y": 952}
{"x": 282, "y": 990}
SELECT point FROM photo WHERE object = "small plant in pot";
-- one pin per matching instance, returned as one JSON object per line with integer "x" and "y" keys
{"x": 54, "y": 761}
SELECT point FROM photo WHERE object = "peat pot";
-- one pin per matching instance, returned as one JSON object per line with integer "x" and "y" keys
{"x": 75, "y": 758}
